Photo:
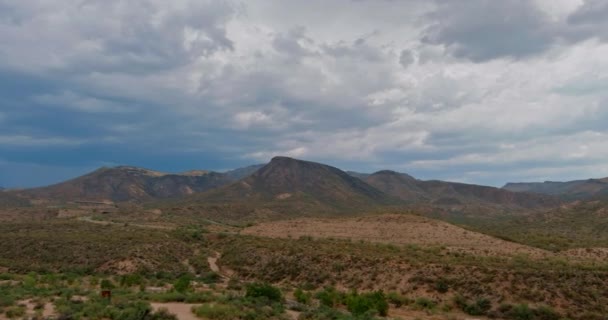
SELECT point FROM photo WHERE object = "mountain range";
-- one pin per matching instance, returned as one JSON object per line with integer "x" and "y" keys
{"x": 283, "y": 186}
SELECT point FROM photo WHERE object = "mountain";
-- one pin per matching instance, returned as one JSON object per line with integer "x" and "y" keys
{"x": 570, "y": 190}
{"x": 438, "y": 192}
{"x": 129, "y": 184}
{"x": 240, "y": 173}
{"x": 287, "y": 186}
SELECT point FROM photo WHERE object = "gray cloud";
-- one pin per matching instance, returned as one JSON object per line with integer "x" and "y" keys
{"x": 589, "y": 21}
{"x": 442, "y": 89}
{"x": 406, "y": 58}
{"x": 482, "y": 30}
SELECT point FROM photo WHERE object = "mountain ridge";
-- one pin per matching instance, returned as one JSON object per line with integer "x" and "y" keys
{"x": 569, "y": 190}
{"x": 127, "y": 183}
{"x": 440, "y": 192}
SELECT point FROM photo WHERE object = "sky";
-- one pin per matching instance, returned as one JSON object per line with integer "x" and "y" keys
{"x": 477, "y": 91}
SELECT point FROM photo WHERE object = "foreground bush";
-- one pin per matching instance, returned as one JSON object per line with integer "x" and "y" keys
{"x": 374, "y": 302}
{"x": 217, "y": 311}
{"x": 259, "y": 290}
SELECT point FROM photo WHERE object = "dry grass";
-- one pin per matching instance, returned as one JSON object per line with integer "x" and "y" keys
{"x": 395, "y": 229}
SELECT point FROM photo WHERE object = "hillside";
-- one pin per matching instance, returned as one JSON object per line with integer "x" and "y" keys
{"x": 128, "y": 184}
{"x": 400, "y": 185}
{"x": 290, "y": 186}
{"x": 444, "y": 193}
{"x": 570, "y": 190}
{"x": 582, "y": 224}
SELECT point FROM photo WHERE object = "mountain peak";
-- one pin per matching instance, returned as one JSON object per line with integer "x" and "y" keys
{"x": 284, "y": 159}
{"x": 308, "y": 186}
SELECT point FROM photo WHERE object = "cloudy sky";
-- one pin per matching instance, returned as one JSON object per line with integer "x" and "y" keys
{"x": 477, "y": 91}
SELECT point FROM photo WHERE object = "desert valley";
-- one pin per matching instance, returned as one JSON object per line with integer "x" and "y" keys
{"x": 294, "y": 239}
{"x": 303, "y": 160}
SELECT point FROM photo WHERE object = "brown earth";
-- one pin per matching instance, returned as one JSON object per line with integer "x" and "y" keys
{"x": 398, "y": 229}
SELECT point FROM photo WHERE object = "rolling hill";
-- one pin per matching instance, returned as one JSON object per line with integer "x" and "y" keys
{"x": 570, "y": 190}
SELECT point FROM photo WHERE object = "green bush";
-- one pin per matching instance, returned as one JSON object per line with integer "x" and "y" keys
{"x": 479, "y": 308}
{"x": 546, "y": 313}
{"x": 162, "y": 314}
{"x": 329, "y": 297}
{"x": 15, "y": 312}
{"x": 131, "y": 280}
{"x": 259, "y": 290}
{"x": 302, "y": 297}
{"x": 398, "y": 300}
{"x": 359, "y": 304}
{"x": 521, "y": 312}
{"x": 182, "y": 284}
{"x": 442, "y": 285}
{"x": 217, "y": 311}
{"x": 106, "y": 284}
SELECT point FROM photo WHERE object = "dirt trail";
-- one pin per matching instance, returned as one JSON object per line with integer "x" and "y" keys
{"x": 225, "y": 274}
{"x": 183, "y": 311}
{"x": 213, "y": 264}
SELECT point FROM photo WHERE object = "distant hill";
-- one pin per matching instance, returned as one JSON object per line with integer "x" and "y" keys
{"x": 445, "y": 193}
{"x": 9, "y": 200}
{"x": 288, "y": 186}
{"x": 129, "y": 184}
{"x": 240, "y": 173}
{"x": 570, "y": 190}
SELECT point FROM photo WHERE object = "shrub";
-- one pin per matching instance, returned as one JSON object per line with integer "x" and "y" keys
{"x": 302, "y": 297}
{"x": 479, "y": 308}
{"x": 182, "y": 284}
{"x": 216, "y": 311}
{"x": 329, "y": 297}
{"x": 259, "y": 290}
{"x": 521, "y": 312}
{"x": 425, "y": 303}
{"x": 546, "y": 313}
{"x": 106, "y": 284}
{"x": 442, "y": 285}
{"x": 15, "y": 312}
{"x": 359, "y": 304}
{"x": 131, "y": 280}
{"x": 162, "y": 314}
